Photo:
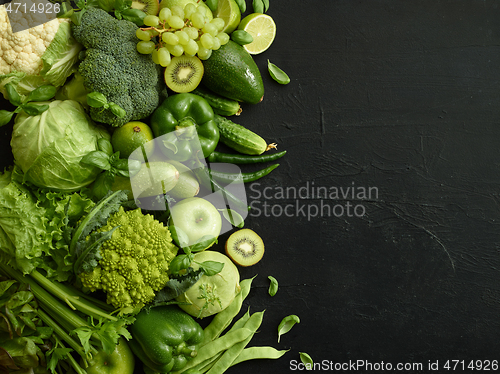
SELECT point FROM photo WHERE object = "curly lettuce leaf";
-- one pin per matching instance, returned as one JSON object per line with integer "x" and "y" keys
{"x": 32, "y": 226}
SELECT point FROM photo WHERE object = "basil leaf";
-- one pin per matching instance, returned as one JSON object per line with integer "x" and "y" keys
{"x": 258, "y": 6}
{"x": 212, "y": 4}
{"x": 42, "y": 93}
{"x": 13, "y": 96}
{"x": 5, "y": 117}
{"x": 306, "y": 360}
{"x": 233, "y": 217}
{"x": 34, "y": 109}
{"x": 242, "y": 4}
{"x": 179, "y": 263}
{"x": 266, "y": 5}
{"x": 211, "y": 267}
{"x": 277, "y": 74}
{"x": 117, "y": 110}
{"x": 286, "y": 325}
{"x": 96, "y": 100}
{"x": 204, "y": 242}
{"x": 107, "y": 5}
{"x": 134, "y": 15}
{"x": 98, "y": 159}
{"x": 273, "y": 287}
{"x": 102, "y": 184}
{"x": 105, "y": 146}
{"x": 179, "y": 236}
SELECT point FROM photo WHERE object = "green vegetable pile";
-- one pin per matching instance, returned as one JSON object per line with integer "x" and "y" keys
{"x": 96, "y": 275}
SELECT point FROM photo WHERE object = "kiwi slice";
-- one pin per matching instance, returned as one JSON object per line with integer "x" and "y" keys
{"x": 245, "y": 247}
{"x": 184, "y": 73}
{"x": 147, "y": 6}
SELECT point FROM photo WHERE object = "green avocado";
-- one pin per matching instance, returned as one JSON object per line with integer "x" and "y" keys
{"x": 231, "y": 72}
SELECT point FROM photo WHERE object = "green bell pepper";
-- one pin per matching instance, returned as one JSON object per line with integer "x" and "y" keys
{"x": 164, "y": 338}
{"x": 176, "y": 115}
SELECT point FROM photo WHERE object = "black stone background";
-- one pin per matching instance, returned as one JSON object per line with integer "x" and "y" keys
{"x": 403, "y": 96}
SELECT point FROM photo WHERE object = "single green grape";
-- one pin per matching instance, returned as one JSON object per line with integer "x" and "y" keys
{"x": 145, "y": 47}
{"x": 164, "y": 57}
{"x": 182, "y": 36}
{"x": 154, "y": 56}
{"x": 170, "y": 38}
{"x": 176, "y": 50}
{"x": 210, "y": 28}
{"x": 198, "y": 20}
{"x": 218, "y": 23}
{"x": 223, "y": 37}
{"x": 142, "y": 35}
{"x": 191, "y": 48}
{"x": 175, "y": 22}
{"x": 216, "y": 44}
{"x": 178, "y": 11}
{"x": 164, "y": 14}
{"x": 189, "y": 9}
{"x": 192, "y": 32}
{"x": 204, "y": 53}
{"x": 151, "y": 20}
{"x": 207, "y": 41}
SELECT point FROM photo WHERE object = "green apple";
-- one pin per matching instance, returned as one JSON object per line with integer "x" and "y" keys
{"x": 182, "y": 4}
{"x": 121, "y": 361}
{"x": 196, "y": 217}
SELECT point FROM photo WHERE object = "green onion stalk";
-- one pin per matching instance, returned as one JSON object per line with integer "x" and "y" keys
{"x": 83, "y": 323}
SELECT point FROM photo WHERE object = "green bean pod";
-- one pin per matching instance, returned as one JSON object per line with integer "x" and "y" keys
{"x": 216, "y": 346}
{"x": 228, "y": 357}
{"x": 242, "y": 177}
{"x": 259, "y": 353}
{"x": 233, "y": 158}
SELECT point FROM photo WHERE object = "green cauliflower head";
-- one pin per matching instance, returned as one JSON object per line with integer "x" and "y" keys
{"x": 134, "y": 261}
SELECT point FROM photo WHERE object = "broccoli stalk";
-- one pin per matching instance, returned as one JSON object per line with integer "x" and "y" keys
{"x": 64, "y": 308}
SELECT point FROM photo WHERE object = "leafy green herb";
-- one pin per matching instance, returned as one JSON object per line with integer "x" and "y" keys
{"x": 98, "y": 100}
{"x": 286, "y": 324}
{"x": 273, "y": 287}
{"x": 242, "y": 4}
{"x": 42, "y": 93}
{"x": 306, "y": 360}
{"x": 260, "y": 6}
{"x": 277, "y": 74}
{"x": 177, "y": 285}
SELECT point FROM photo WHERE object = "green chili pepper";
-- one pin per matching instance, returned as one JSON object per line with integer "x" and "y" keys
{"x": 175, "y": 115}
{"x": 245, "y": 177}
{"x": 164, "y": 338}
{"x": 233, "y": 158}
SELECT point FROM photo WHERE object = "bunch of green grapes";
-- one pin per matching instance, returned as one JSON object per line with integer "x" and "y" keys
{"x": 177, "y": 31}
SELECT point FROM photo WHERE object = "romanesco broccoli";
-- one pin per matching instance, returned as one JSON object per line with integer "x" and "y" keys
{"x": 134, "y": 261}
{"x": 112, "y": 66}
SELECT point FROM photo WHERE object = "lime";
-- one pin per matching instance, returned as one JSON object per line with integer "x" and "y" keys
{"x": 229, "y": 11}
{"x": 130, "y": 136}
{"x": 263, "y": 30}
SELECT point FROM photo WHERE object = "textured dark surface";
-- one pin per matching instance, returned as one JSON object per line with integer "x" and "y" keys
{"x": 402, "y": 96}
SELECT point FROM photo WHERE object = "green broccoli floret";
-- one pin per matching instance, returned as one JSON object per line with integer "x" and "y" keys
{"x": 134, "y": 261}
{"x": 112, "y": 66}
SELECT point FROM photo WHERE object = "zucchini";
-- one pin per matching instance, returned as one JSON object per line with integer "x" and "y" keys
{"x": 221, "y": 105}
{"x": 240, "y": 138}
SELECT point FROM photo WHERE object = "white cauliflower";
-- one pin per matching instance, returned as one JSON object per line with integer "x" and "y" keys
{"x": 28, "y": 58}
{"x": 22, "y": 51}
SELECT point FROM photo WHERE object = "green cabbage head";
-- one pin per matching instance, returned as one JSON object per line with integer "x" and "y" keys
{"x": 49, "y": 147}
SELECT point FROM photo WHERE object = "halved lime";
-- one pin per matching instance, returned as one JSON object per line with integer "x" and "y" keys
{"x": 263, "y": 30}
{"x": 229, "y": 11}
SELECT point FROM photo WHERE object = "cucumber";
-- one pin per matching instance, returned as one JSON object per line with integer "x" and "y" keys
{"x": 221, "y": 105}
{"x": 240, "y": 138}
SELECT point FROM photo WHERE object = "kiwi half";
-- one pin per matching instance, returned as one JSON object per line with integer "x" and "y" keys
{"x": 147, "y": 6}
{"x": 184, "y": 73}
{"x": 245, "y": 247}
